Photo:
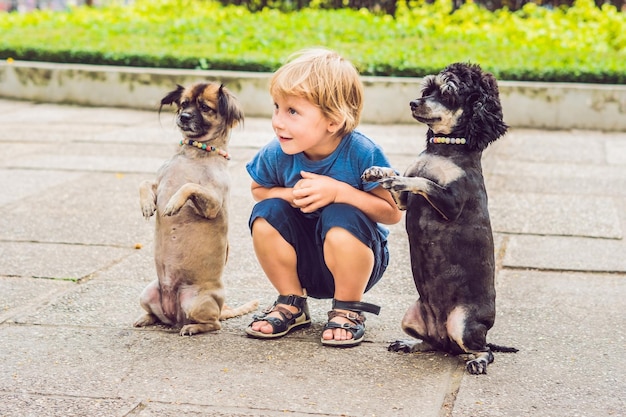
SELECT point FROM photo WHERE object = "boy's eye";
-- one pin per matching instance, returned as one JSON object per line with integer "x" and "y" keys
{"x": 292, "y": 111}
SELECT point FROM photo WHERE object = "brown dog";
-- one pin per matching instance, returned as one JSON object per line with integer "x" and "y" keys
{"x": 190, "y": 197}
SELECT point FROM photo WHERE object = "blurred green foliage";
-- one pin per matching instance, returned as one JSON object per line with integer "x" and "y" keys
{"x": 582, "y": 43}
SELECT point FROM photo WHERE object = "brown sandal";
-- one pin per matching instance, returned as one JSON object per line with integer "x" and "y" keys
{"x": 357, "y": 321}
{"x": 287, "y": 322}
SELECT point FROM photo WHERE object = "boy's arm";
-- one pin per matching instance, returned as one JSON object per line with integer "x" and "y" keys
{"x": 316, "y": 191}
{"x": 260, "y": 193}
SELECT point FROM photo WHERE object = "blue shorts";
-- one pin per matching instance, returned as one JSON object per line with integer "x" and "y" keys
{"x": 306, "y": 234}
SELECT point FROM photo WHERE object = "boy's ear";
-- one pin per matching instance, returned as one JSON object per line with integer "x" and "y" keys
{"x": 334, "y": 126}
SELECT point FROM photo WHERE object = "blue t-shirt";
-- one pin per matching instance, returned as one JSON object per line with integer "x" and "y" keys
{"x": 271, "y": 167}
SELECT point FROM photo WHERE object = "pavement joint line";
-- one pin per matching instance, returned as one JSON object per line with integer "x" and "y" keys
{"x": 564, "y": 270}
{"x": 456, "y": 378}
{"x": 95, "y": 245}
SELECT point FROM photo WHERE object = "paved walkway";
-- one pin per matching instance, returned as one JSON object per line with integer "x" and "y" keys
{"x": 71, "y": 274}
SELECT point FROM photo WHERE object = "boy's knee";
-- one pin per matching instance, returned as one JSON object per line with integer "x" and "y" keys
{"x": 265, "y": 233}
{"x": 268, "y": 211}
{"x": 340, "y": 238}
{"x": 261, "y": 227}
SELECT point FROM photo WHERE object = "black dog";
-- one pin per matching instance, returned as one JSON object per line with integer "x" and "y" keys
{"x": 447, "y": 220}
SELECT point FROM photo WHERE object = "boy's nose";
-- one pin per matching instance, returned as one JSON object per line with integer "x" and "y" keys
{"x": 276, "y": 121}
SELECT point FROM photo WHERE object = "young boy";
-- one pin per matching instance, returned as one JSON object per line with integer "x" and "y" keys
{"x": 315, "y": 227}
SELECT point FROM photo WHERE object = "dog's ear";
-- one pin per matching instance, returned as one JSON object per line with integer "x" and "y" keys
{"x": 228, "y": 107}
{"x": 172, "y": 97}
{"x": 486, "y": 123}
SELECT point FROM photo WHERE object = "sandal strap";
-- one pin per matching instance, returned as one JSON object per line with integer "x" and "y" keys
{"x": 292, "y": 300}
{"x": 352, "y": 328}
{"x": 353, "y": 316}
{"x": 356, "y": 306}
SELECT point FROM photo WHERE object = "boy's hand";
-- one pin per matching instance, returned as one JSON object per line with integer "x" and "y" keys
{"x": 314, "y": 191}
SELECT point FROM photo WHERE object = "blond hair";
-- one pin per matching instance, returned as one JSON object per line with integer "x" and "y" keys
{"x": 325, "y": 79}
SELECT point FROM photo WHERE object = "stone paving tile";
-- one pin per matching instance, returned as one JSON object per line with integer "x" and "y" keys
{"x": 570, "y": 329}
{"x": 580, "y": 147}
{"x": 17, "y": 184}
{"x": 111, "y": 164}
{"x": 56, "y": 261}
{"x": 549, "y": 214}
{"x": 64, "y": 361}
{"x": 49, "y": 114}
{"x": 93, "y": 209}
{"x": 565, "y": 253}
{"x": 20, "y": 294}
{"x": 208, "y": 370}
{"x": 33, "y": 405}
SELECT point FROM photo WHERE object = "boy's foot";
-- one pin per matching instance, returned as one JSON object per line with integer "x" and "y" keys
{"x": 348, "y": 318}
{"x": 288, "y": 313}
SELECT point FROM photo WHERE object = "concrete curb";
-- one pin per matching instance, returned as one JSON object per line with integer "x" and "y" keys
{"x": 525, "y": 104}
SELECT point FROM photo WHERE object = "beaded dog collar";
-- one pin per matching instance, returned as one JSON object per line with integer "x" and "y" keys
{"x": 204, "y": 147}
{"x": 448, "y": 141}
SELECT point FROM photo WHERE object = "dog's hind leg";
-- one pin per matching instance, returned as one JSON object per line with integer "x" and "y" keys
{"x": 413, "y": 324}
{"x": 471, "y": 336}
{"x": 150, "y": 301}
{"x": 202, "y": 311}
{"x": 410, "y": 346}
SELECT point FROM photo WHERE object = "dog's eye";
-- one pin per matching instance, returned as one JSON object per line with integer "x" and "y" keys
{"x": 450, "y": 99}
{"x": 184, "y": 104}
{"x": 205, "y": 108}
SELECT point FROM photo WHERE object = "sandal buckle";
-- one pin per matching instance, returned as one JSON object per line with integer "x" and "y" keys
{"x": 354, "y": 316}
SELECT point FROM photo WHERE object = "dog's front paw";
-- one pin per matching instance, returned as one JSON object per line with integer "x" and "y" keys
{"x": 172, "y": 207}
{"x": 375, "y": 173}
{"x": 406, "y": 346}
{"x": 395, "y": 183}
{"x": 476, "y": 366}
{"x": 148, "y": 209}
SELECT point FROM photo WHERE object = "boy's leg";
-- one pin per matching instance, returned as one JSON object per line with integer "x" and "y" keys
{"x": 278, "y": 260}
{"x": 355, "y": 252}
{"x": 351, "y": 262}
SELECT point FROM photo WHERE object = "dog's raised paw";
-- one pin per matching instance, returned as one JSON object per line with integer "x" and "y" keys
{"x": 148, "y": 209}
{"x": 171, "y": 209}
{"x": 376, "y": 173}
{"x": 393, "y": 184}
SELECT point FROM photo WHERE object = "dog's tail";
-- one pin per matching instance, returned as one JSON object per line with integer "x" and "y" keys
{"x": 504, "y": 349}
{"x": 229, "y": 312}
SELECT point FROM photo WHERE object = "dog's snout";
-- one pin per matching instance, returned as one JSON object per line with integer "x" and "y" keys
{"x": 185, "y": 116}
{"x": 414, "y": 104}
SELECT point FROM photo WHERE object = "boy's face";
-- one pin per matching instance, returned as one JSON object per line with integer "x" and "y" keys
{"x": 301, "y": 127}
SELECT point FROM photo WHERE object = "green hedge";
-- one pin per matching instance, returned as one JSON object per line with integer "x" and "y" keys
{"x": 578, "y": 44}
